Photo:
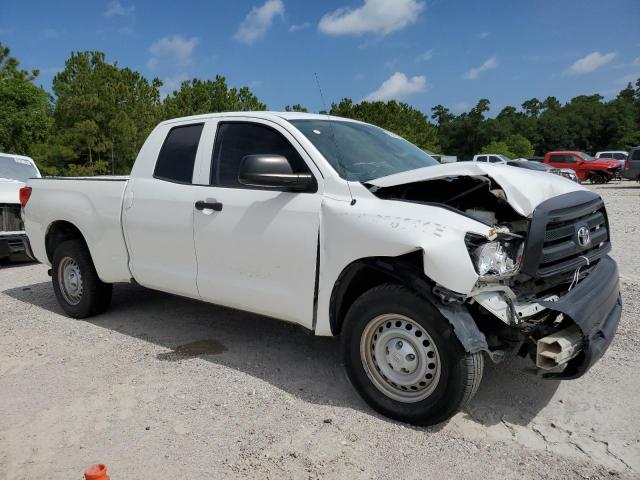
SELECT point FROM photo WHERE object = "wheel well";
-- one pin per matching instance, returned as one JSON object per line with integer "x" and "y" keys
{"x": 366, "y": 273}
{"x": 58, "y": 232}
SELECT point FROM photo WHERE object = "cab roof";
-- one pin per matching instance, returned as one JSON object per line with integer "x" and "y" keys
{"x": 265, "y": 115}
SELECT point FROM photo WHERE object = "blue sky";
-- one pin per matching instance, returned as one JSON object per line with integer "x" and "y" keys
{"x": 424, "y": 52}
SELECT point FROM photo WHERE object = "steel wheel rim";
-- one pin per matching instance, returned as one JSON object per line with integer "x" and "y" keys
{"x": 70, "y": 280}
{"x": 400, "y": 358}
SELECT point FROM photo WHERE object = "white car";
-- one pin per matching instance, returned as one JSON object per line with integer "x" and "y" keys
{"x": 619, "y": 155}
{"x": 346, "y": 229}
{"x": 15, "y": 170}
{"x": 491, "y": 158}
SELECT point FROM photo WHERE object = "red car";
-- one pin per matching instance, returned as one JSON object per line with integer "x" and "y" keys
{"x": 596, "y": 170}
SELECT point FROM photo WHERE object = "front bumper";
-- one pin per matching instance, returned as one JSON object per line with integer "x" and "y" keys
{"x": 14, "y": 244}
{"x": 595, "y": 306}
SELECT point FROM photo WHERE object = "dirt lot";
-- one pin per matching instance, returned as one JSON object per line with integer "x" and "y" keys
{"x": 257, "y": 398}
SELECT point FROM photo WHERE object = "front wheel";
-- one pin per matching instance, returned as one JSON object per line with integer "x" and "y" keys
{"x": 404, "y": 359}
{"x": 79, "y": 290}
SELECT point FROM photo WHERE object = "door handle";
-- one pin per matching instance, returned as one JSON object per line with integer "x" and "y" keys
{"x": 213, "y": 205}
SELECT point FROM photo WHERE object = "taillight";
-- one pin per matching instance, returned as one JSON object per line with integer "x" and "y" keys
{"x": 25, "y": 194}
{"x": 627, "y": 165}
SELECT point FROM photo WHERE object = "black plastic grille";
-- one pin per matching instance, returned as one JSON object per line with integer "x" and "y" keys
{"x": 553, "y": 247}
{"x": 561, "y": 250}
{"x": 10, "y": 220}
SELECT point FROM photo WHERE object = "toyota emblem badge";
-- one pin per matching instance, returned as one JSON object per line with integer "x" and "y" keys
{"x": 584, "y": 237}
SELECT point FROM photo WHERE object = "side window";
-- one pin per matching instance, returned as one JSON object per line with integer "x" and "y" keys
{"x": 572, "y": 159}
{"x": 178, "y": 154}
{"x": 494, "y": 159}
{"x": 481, "y": 158}
{"x": 605, "y": 155}
{"x": 236, "y": 140}
{"x": 636, "y": 154}
{"x": 620, "y": 156}
{"x": 556, "y": 158}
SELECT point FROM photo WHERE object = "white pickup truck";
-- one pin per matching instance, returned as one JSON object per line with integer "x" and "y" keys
{"x": 346, "y": 229}
{"x": 15, "y": 170}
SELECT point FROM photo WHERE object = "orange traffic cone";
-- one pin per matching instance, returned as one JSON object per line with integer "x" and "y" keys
{"x": 96, "y": 472}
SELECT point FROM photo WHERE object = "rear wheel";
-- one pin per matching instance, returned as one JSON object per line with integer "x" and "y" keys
{"x": 597, "y": 178}
{"x": 77, "y": 287}
{"x": 404, "y": 359}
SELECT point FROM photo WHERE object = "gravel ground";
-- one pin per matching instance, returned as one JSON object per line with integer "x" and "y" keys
{"x": 162, "y": 386}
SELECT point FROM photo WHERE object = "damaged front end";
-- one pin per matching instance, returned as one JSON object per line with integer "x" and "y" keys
{"x": 546, "y": 287}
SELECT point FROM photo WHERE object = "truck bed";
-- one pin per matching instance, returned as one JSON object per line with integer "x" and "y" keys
{"x": 94, "y": 206}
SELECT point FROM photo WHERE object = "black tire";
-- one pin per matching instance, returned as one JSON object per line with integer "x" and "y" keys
{"x": 597, "y": 179}
{"x": 460, "y": 373}
{"x": 96, "y": 295}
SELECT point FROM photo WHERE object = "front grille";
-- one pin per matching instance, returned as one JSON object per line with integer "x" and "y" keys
{"x": 10, "y": 220}
{"x": 553, "y": 246}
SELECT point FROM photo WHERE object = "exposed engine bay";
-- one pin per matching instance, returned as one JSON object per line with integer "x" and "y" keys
{"x": 478, "y": 197}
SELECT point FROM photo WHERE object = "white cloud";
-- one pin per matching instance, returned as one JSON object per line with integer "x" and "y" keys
{"x": 636, "y": 62}
{"x": 487, "y": 65}
{"x": 398, "y": 87}
{"x": 300, "y": 26}
{"x": 591, "y": 62}
{"x": 117, "y": 9}
{"x": 173, "y": 51}
{"x": 375, "y": 16}
{"x": 483, "y": 35}
{"x": 459, "y": 107}
{"x": 172, "y": 83}
{"x": 258, "y": 21}
{"x": 425, "y": 57}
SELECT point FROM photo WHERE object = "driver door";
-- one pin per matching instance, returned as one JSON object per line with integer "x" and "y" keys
{"x": 257, "y": 250}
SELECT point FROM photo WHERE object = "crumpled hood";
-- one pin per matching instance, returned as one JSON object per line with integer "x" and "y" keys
{"x": 10, "y": 190}
{"x": 525, "y": 189}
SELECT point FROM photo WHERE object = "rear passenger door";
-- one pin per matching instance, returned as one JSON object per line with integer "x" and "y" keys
{"x": 257, "y": 250}
{"x": 158, "y": 216}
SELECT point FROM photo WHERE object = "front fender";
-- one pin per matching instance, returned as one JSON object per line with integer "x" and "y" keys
{"x": 382, "y": 228}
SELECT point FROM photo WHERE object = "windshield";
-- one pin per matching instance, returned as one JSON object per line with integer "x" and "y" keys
{"x": 587, "y": 157}
{"x": 361, "y": 152}
{"x": 504, "y": 157}
{"x": 16, "y": 169}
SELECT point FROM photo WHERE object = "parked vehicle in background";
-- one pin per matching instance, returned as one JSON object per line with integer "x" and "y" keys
{"x": 619, "y": 155}
{"x": 15, "y": 170}
{"x": 585, "y": 166}
{"x": 346, "y": 229}
{"x": 441, "y": 158}
{"x": 542, "y": 167}
{"x": 631, "y": 168}
{"x": 491, "y": 158}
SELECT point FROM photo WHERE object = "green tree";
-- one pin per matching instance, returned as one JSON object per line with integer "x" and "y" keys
{"x": 519, "y": 146}
{"x": 207, "y": 96}
{"x": 498, "y": 147}
{"x": 102, "y": 113}
{"x": 25, "y": 116}
{"x": 295, "y": 108}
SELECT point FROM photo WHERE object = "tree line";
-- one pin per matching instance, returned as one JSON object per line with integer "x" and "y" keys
{"x": 99, "y": 114}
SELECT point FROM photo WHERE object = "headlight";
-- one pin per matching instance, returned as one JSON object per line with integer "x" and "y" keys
{"x": 498, "y": 259}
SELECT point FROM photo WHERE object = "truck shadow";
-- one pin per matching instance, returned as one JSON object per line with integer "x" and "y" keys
{"x": 282, "y": 354}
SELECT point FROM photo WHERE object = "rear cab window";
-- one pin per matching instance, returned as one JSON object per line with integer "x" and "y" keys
{"x": 178, "y": 154}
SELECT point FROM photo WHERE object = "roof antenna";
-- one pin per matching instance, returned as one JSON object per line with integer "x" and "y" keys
{"x": 333, "y": 137}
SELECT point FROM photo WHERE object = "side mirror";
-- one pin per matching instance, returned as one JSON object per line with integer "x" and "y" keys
{"x": 272, "y": 171}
